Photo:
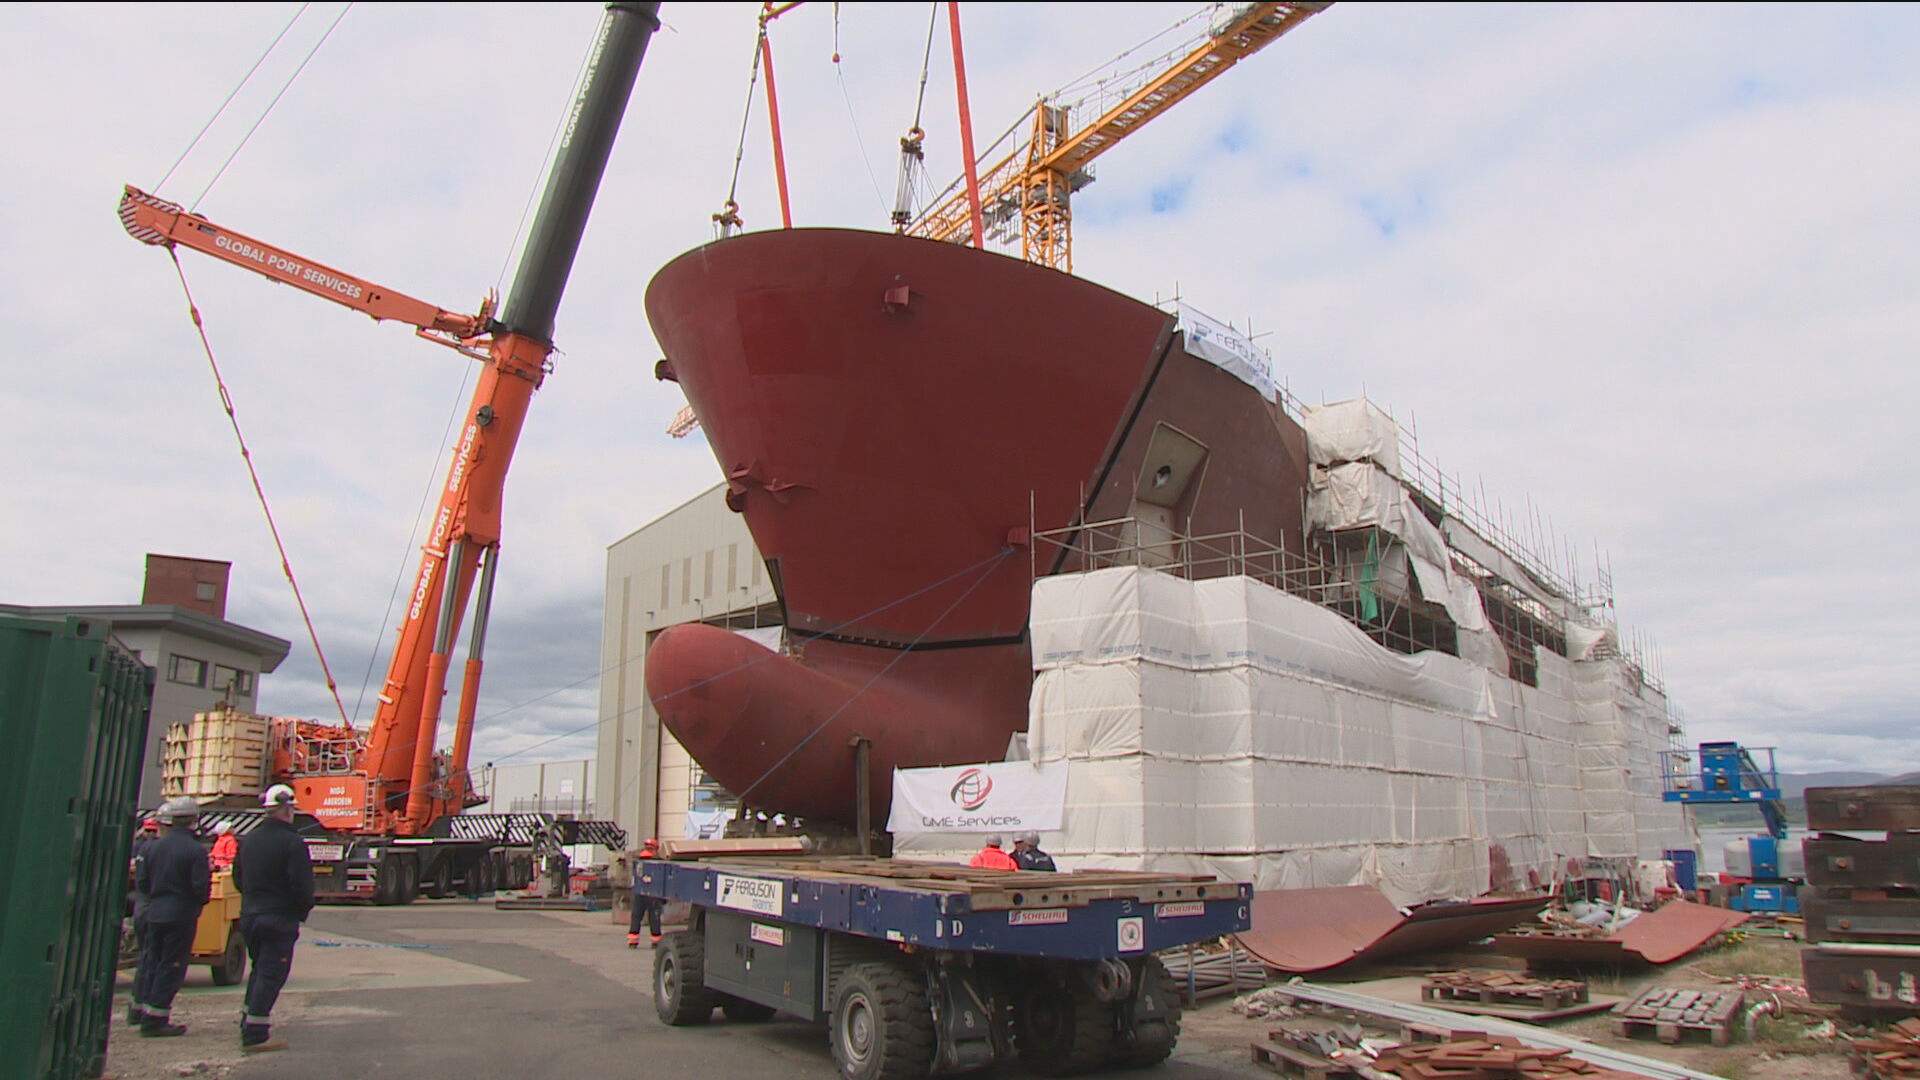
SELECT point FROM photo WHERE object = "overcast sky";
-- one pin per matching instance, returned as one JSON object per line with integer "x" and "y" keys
{"x": 1652, "y": 268}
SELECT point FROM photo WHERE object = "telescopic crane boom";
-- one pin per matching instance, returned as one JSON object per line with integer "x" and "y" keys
{"x": 389, "y": 779}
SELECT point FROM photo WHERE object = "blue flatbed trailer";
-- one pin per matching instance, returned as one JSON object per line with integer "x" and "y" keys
{"x": 922, "y": 969}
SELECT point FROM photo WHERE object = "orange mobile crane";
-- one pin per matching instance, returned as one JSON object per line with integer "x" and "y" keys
{"x": 389, "y": 802}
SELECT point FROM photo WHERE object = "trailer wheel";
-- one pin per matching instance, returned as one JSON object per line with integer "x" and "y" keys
{"x": 740, "y": 1010}
{"x": 1061, "y": 1028}
{"x": 1152, "y": 1040}
{"x": 680, "y": 994}
{"x": 232, "y": 965}
{"x": 881, "y": 1026}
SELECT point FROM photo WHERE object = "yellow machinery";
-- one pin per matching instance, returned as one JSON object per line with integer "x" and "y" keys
{"x": 217, "y": 941}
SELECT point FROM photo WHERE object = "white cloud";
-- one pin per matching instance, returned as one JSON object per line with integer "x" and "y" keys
{"x": 1652, "y": 267}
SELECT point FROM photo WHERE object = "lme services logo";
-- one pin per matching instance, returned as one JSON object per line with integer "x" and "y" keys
{"x": 971, "y": 790}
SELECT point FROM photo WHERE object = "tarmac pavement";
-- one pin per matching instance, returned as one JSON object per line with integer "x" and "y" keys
{"x": 458, "y": 989}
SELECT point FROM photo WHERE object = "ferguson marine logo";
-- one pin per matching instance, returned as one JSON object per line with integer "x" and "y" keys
{"x": 971, "y": 790}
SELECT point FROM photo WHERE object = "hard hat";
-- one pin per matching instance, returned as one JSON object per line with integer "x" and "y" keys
{"x": 1027, "y": 838}
{"x": 223, "y": 828}
{"x": 150, "y": 823}
{"x": 993, "y": 841}
{"x": 651, "y": 842}
{"x": 277, "y": 795}
{"x": 180, "y": 809}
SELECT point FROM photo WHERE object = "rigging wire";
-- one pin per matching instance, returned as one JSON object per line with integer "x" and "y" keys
{"x": 1093, "y": 73}
{"x": 288, "y": 85}
{"x": 926, "y": 62}
{"x": 728, "y": 213}
{"x": 539, "y": 180}
{"x": 231, "y": 94}
{"x": 840, "y": 76}
{"x": 286, "y": 564}
{"x": 898, "y": 656}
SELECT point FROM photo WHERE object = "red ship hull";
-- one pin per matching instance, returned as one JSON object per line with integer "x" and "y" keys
{"x": 891, "y": 415}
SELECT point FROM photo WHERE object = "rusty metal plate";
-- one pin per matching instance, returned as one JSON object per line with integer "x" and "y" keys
{"x": 1658, "y": 937}
{"x": 1304, "y": 930}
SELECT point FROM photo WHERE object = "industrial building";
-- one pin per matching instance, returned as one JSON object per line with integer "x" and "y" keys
{"x": 696, "y": 563}
{"x": 180, "y": 629}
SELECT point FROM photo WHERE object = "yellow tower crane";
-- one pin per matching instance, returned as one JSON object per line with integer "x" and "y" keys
{"x": 1033, "y": 185}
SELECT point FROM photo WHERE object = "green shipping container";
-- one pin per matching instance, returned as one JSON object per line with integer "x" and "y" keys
{"x": 73, "y": 724}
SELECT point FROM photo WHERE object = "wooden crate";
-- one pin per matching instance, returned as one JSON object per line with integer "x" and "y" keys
{"x": 226, "y": 756}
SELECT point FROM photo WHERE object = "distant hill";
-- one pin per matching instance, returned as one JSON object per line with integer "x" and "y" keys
{"x": 1794, "y": 785}
{"x": 1903, "y": 778}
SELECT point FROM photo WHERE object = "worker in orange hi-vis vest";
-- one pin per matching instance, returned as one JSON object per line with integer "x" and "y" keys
{"x": 225, "y": 847}
{"x": 992, "y": 858}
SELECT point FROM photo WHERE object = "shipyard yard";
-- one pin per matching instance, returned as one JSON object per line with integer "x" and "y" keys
{"x": 1358, "y": 593}
{"x": 369, "y": 980}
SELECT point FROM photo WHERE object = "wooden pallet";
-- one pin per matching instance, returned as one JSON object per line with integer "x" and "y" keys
{"x": 1501, "y": 988}
{"x": 1287, "y": 1061}
{"x": 1669, "y": 1013}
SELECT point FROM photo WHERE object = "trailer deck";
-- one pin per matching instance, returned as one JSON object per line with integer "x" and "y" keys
{"x": 919, "y": 966}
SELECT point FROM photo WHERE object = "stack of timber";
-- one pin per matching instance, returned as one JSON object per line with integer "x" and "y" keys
{"x": 1893, "y": 1054}
{"x": 1498, "y": 1057}
{"x": 1862, "y": 901}
{"x": 220, "y": 759}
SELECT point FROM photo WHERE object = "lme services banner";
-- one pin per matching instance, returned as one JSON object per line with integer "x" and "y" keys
{"x": 1008, "y": 796}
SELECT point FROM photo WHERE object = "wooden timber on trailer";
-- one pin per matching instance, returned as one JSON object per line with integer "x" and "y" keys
{"x": 994, "y": 890}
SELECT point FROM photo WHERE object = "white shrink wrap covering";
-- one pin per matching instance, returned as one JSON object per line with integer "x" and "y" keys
{"x": 1227, "y": 727}
{"x": 1352, "y": 430}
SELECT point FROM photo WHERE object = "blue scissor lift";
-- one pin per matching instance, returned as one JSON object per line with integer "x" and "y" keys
{"x": 1727, "y": 772}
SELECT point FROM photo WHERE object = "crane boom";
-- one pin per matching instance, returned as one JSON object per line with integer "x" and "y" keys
{"x": 1036, "y": 181}
{"x": 390, "y": 778}
{"x": 153, "y": 220}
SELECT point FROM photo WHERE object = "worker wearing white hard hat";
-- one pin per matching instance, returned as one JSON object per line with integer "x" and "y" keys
{"x": 175, "y": 878}
{"x": 275, "y": 877}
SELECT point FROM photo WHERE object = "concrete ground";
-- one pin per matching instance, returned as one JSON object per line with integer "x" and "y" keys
{"x": 454, "y": 988}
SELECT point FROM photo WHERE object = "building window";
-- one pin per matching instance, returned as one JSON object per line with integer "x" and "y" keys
{"x": 204, "y": 590}
{"x": 241, "y": 682}
{"x": 187, "y": 671}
